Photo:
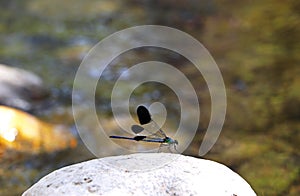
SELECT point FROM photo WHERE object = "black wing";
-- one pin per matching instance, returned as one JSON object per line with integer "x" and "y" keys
{"x": 149, "y": 124}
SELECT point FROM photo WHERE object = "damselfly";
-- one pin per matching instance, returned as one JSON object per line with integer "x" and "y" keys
{"x": 156, "y": 136}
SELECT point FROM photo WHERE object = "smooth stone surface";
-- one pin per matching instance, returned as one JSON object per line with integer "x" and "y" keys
{"x": 19, "y": 88}
{"x": 143, "y": 174}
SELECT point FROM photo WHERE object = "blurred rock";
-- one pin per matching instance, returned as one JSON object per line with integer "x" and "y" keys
{"x": 23, "y": 132}
{"x": 20, "y": 88}
{"x": 143, "y": 174}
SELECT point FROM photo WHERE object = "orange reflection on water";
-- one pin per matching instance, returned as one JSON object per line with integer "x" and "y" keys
{"x": 24, "y": 132}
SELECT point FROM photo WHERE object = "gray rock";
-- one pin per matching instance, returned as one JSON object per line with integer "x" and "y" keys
{"x": 143, "y": 174}
{"x": 19, "y": 88}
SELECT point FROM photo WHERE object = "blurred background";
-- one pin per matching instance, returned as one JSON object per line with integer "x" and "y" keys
{"x": 255, "y": 44}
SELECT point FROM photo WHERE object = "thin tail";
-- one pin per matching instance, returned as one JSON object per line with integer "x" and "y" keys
{"x": 136, "y": 138}
{"x": 121, "y": 137}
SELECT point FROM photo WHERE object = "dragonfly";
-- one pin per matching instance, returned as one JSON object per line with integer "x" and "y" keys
{"x": 158, "y": 136}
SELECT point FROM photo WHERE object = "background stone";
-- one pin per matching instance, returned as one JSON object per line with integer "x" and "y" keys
{"x": 20, "y": 88}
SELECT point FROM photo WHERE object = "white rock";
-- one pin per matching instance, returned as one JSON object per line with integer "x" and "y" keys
{"x": 19, "y": 88}
{"x": 143, "y": 174}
